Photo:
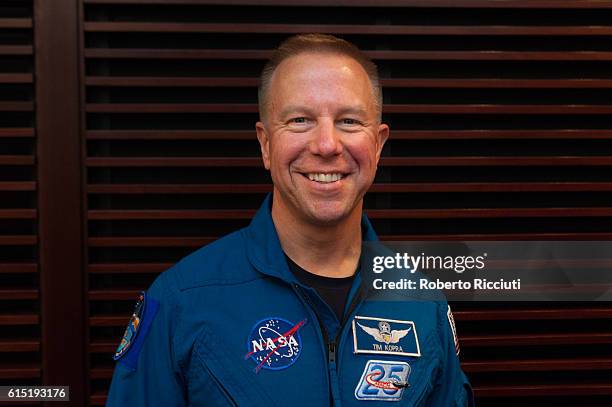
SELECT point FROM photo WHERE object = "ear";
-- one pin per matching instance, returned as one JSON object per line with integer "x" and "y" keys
{"x": 381, "y": 139}
{"x": 264, "y": 143}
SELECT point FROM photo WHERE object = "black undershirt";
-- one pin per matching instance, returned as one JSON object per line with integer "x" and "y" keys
{"x": 334, "y": 291}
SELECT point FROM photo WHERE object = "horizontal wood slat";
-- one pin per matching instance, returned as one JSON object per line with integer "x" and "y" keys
{"x": 459, "y": 30}
{"x": 384, "y": 161}
{"x": 508, "y": 390}
{"x": 16, "y": 132}
{"x": 16, "y": 160}
{"x": 395, "y": 134}
{"x": 18, "y": 268}
{"x": 24, "y": 345}
{"x": 16, "y": 78}
{"x": 441, "y": 55}
{"x": 20, "y": 372}
{"x": 479, "y": 83}
{"x": 537, "y": 365}
{"x": 16, "y": 106}
{"x": 18, "y": 186}
{"x": 16, "y": 50}
{"x": 394, "y": 108}
{"x": 533, "y": 314}
{"x": 18, "y": 294}
{"x": 126, "y": 268}
{"x": 166, "y": 241}
{"x": 18, "y": 213}
{"x": 18, "y": 240}
{"x": 124, "y": 214}
{"x": 526, "y": 4}
{"x": 568, "y": 338}
{"x": 15, "y": 23}
{"x": 21, "y": 319}
{"x": 377, "y": 187}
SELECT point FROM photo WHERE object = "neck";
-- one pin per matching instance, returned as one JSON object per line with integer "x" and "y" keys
{"x": 329, "y": 250}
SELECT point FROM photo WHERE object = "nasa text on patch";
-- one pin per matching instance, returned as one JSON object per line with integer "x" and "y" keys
{"x": 383, "y": 380}
{"x": 136, "y": 331}
{"x": 385, "y": 336}
{"x": 274, "y": 343}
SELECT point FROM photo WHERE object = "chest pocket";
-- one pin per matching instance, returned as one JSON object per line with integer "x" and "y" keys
{"x": 216, "y": 379}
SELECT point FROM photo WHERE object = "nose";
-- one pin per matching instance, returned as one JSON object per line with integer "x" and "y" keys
{"x": 326, "y": 139}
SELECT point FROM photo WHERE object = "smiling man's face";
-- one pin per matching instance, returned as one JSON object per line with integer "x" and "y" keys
{"x": 321, "y": 139}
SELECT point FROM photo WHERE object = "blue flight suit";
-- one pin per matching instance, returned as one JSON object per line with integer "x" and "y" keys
{"x": 231, "y": 325}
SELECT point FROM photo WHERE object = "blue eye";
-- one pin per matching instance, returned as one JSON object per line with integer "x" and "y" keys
{"x": 349, "y": 121}
{"x": 298, "y": 120}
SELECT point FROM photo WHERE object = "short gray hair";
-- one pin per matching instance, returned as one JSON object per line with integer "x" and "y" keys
{"x": 317, "y": 43}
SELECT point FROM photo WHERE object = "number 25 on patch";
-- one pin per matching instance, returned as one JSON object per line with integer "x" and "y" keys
{"x": 383, "y": 380}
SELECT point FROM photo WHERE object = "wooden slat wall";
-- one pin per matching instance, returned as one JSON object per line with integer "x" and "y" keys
{"x": 20, "y": 356}
{"x": 500, "y": 116}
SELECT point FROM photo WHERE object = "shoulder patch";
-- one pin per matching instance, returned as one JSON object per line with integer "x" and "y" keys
{"x": 451, "y": 322}
{"x": 136, "y": 331}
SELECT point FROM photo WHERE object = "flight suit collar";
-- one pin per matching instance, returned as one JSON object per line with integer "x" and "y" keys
{"x": 263, "y": 246}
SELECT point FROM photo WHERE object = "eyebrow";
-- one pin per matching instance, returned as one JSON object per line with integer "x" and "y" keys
{"x": 356, "y": 110}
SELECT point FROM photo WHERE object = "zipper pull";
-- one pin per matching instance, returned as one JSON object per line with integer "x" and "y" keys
{"x": 331, "y": 352}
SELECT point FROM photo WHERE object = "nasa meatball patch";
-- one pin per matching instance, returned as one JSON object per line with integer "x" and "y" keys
{"x": 385, "y": 336}
{"x": 136, "y": 331}
{"x": 383, "y": 380}
{"x": 274, "y": 343}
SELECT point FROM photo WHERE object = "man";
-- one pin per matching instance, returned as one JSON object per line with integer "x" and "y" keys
{"x": 274, "y": 314}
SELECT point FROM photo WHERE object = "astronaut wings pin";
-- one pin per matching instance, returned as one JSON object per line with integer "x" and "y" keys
{"x": 385, "y": 336}
{"x": 384, "y": 332}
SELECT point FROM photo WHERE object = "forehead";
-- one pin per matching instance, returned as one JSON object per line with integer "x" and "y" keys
{"x": 320, "y": 79}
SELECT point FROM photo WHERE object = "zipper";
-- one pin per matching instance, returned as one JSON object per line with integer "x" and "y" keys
{"x": 331, "y": 347}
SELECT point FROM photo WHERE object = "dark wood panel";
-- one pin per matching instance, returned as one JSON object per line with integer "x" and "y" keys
{"x": 60, "y": 200}
{"x": 567, "y": 338}
{"x": 125, "y": 214}
{"x": 457, "y": 30}
{"x": 480, "y": 83}
{"x": 438, "y": 55}
{"x": 384, "y": 161}
{"x": 377, "y": 187}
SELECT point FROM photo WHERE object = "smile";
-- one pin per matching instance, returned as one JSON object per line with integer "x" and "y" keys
{"x": 324, "y": 178}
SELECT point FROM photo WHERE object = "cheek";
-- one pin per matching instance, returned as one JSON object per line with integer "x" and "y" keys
{"x": 284, "y": 151}
{"x": 364, "y": 154}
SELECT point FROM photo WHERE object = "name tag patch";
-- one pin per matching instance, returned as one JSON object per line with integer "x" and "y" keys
{"x": 383, "y": 380}
{"x": 385, "y": 336}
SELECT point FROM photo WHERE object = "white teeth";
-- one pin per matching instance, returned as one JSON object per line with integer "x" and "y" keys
{"x": 321, "y": 177}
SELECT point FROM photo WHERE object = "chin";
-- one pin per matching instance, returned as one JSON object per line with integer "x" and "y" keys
{"x": 329, "y": 215}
